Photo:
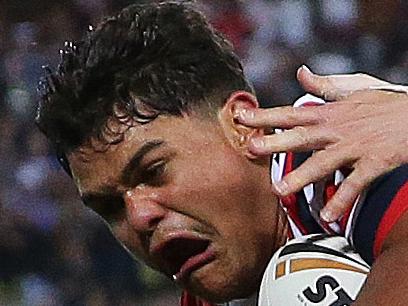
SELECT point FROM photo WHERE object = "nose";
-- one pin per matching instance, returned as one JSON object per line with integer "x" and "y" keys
{"x": 143, "y": 212}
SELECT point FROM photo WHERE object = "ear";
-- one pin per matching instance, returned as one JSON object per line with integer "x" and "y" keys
{"x": 238, "y": 134}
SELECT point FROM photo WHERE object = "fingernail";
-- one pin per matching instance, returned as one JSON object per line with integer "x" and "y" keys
{"x": 258, "y": 142}
{"x": 326, "y": 215}
{"x": 281, "y": 187}
{"x": 306, "y": 69}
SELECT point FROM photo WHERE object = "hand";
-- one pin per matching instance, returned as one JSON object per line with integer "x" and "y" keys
{"x": 365, "y": 130}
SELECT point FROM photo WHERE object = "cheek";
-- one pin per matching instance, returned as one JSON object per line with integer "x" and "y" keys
{"x": 128, "y": 238}
{"x": 211, "y": 186}
{"x": 220, "y": 193}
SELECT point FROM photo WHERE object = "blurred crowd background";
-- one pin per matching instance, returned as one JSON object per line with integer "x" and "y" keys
{"x": 55, "y": 252}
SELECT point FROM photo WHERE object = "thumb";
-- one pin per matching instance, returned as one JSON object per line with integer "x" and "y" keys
{"x": 319, "y": 85}
{"x": 336, "y": 86}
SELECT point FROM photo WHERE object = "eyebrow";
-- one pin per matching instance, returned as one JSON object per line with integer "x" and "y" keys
{"x": 133, "y": 163}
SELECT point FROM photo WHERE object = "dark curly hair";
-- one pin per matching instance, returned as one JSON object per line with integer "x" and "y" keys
{"x": 150, "y": 59}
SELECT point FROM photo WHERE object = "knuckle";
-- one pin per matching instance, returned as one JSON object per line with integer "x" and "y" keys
{"x": 301, "y": 133}
{"x": 336, "y": 203}
{"x": 293, "y": 113}
{"x": 321, "y": 162}
{"x": 388, "y": 160}
{"x": 322, "y": 114}
{"x": 296, "y": 181}
{"x": 343, "y": 199}
{"x": 292, "y": 180}
{"x": 305, "y": 174}
{"x": 352, "y": 185}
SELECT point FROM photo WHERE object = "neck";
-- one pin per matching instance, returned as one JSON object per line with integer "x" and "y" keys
{"x": 277, "y": 220}
{"x": 281, "y": 229}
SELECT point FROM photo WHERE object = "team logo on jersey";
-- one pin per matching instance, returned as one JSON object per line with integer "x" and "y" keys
{"x": 318, "y": 296}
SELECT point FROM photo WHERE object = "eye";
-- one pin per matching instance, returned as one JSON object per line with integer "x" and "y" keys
{"x": 154, "y": 174}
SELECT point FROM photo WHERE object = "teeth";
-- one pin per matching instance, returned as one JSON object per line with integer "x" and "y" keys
{"x": 174, "y": 277}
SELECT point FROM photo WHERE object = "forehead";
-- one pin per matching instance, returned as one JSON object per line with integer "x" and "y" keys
{"x": 93, "y": 168}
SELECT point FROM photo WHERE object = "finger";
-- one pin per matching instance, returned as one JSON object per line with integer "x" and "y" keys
{"x": 348, "y": 191}
{"x": 315, "y": 168}
{"x": 337, "y": 86}
{"x": 322, "y": 86}
{"x": 310, "y": 81}
{"x": 279, "y": 117}
{"x": 298, "y": 139}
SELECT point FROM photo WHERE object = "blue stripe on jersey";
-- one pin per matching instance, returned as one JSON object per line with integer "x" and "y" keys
{"x": 376, "y": 203}
{"x": 304, "y": 209}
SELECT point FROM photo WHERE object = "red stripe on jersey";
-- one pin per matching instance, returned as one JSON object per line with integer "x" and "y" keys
{"x": 290, "y": 201}
{"x": 189, "y": 300}
{"x": 288, "y": 163}
{"x": 310, "y": 103}
{"x": 329, "y": 192}
{"x": 397, "y": 208}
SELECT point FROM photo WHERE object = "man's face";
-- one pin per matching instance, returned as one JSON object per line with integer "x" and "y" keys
{"x": 179, "y": 196}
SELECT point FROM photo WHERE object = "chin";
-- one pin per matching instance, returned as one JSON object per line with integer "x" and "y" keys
{"x": 221, "y": 287}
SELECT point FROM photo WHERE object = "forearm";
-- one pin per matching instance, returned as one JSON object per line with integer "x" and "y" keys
{"x": 387, "y": 283}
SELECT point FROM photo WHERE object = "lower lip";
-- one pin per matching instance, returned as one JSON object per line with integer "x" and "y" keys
{"x": 194, "y": 263}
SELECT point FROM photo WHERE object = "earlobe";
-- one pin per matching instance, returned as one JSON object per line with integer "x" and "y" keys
{"x": 238, "y": 134}
{"x": 245, "y": 138}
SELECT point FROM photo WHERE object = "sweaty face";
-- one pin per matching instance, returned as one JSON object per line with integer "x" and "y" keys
{"x": 179, "y": 196}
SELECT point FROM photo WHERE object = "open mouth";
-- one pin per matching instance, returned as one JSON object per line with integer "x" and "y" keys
{"x": 181, "y": 256}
